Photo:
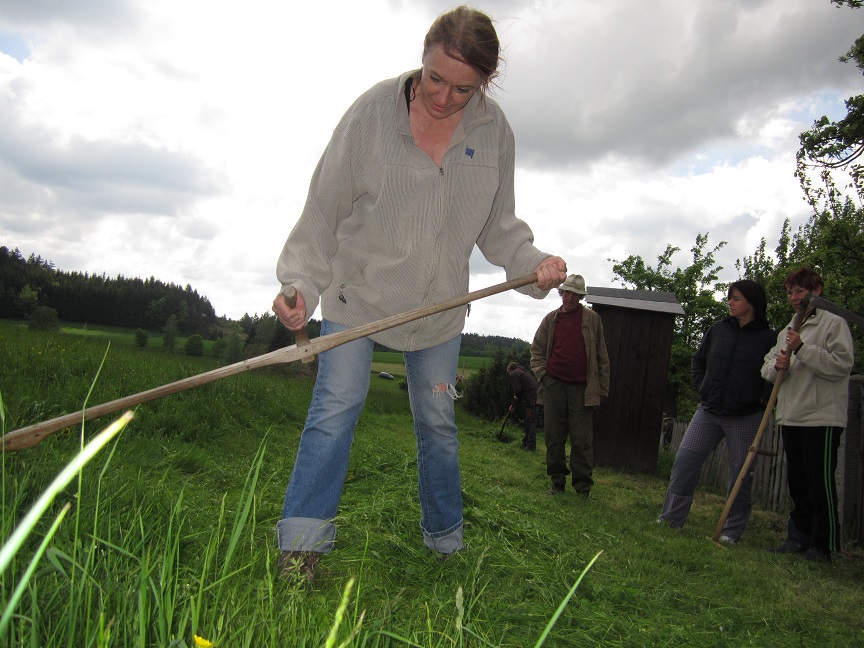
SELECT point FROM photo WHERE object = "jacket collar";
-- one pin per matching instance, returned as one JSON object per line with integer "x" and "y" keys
{"x": 560, "y": 311}
{"x": 755, "y": 325}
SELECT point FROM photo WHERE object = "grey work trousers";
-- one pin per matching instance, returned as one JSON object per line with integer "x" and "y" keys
{"x": 705, "y": 431}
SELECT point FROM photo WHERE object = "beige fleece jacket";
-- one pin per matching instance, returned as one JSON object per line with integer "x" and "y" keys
{"x": 384, "y": 230}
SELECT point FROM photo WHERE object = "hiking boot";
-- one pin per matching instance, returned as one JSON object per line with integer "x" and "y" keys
{"x": 817, "y": 555}
{"x": 557, "y": 489}
{"x": 298, "y": 563}
{"x": 790, "y": 546}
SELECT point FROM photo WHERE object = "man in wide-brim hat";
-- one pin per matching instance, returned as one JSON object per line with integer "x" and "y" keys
{"x": 569, "y": 358}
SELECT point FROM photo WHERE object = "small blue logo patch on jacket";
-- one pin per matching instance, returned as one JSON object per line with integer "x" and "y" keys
{"x": 469, "y": 152}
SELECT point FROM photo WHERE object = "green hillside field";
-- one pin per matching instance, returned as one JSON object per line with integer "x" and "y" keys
{"x": 170, "y": 530}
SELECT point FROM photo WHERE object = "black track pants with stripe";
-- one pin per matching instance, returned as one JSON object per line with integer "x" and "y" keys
{"x": 811, "y": 460}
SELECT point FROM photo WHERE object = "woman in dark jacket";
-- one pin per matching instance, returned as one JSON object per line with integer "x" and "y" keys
{"x": 726, "y": 372}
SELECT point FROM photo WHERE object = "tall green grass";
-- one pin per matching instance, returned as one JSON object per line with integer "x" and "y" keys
{"x": 172, "y": 532}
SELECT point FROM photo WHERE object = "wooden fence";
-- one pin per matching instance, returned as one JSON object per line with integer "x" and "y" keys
{"x": 769, "y": 478}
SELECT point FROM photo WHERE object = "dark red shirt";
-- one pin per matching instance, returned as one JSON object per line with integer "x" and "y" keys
{"x": 568, "y": 361}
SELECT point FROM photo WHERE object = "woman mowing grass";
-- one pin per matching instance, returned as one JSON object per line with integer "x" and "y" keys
{"x": 418, "y": 172}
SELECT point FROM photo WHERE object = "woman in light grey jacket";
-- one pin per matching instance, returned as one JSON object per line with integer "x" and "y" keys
{"x": 418, "y": 172}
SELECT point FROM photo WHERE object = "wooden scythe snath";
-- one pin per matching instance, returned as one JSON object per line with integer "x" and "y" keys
{"x": 799, "y": 318}
{"x": 33, "y": 434}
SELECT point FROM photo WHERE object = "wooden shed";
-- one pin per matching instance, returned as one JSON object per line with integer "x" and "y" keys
{"x": 638, "y": 326}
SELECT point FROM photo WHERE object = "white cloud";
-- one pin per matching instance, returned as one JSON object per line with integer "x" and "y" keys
{"x": 177, "y": 139}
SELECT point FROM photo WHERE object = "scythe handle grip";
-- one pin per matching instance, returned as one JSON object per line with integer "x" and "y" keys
{"x": 300, "y": 335}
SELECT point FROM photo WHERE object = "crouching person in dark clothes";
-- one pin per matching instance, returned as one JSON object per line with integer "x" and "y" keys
{"x": 811, "y": 412}
{"x": 525, "y": 387}
{"x": 733, "y": 396}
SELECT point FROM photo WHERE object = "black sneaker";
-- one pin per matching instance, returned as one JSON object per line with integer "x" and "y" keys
{"x": 556, "y": 489}
{"x": 816, "y": 555}
{"x": 790, "y": 546}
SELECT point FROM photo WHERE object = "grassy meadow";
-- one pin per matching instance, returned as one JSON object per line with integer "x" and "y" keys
{"x": 171, "y": 533}
{"x": 126, "y": 337}
{"x": 391, "y": 362}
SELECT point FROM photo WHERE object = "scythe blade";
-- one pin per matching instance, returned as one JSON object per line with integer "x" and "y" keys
{"x": 824, "y": 304}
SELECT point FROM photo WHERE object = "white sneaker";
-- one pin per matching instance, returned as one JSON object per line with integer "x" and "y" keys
{"x": 725, "y": 539}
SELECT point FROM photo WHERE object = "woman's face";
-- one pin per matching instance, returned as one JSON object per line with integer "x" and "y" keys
{"x": 796, "y": 294}
{"x": 739, "y": 307}
{"x": 446, "y": 84}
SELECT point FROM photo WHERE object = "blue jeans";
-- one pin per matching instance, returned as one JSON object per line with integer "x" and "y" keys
{"x": 319, "y": 471}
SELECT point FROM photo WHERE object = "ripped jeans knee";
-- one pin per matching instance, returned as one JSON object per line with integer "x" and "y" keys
{"x": 446, "y": 388}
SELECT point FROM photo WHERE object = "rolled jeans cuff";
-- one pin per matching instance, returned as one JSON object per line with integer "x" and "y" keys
{"x": 305, "y": 534}
{"x": 445, "y": 542}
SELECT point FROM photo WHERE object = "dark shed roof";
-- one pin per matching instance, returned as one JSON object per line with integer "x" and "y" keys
{"x": 648, "y": 300}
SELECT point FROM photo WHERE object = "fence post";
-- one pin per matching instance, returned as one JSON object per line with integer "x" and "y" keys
{"x": 849, "y": 462}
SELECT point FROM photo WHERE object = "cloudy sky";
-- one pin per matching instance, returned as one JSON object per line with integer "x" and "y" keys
{"x": 176, "y": 138}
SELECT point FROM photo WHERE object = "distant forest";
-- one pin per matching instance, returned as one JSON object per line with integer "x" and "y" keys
{"x": 26, "y": 284}
{"x": 97, "y": 299}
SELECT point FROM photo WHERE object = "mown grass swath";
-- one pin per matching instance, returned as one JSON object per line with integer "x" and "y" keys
{"x": 173, "y": 532}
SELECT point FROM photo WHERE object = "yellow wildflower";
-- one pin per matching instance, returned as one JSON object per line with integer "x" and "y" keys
{"x": 201, "y": 642}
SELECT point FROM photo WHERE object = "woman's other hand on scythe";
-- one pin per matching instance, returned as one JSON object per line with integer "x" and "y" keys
{"x": 292, "y": 318}
{"x": 551, "y": 272}
{"x": 793, "y": 343}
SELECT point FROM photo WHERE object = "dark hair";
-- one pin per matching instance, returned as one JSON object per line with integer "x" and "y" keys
{"x": 512, "y": 367}
{"x": 804, "y": 278}
{"x": 469, "y": 36}
{"x": 754, "y": 293}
